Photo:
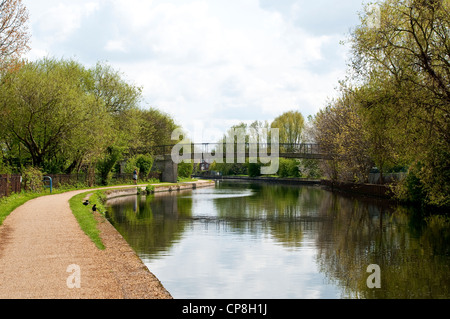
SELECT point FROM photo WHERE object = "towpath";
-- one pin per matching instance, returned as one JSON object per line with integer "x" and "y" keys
{"x": 44, "y": 254}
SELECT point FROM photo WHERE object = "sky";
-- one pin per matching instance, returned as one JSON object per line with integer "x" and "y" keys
{"x": 209, "y": 64}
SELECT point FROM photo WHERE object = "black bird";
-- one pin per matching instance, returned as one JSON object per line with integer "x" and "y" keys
{"x": 94, "y": 208}
{"x": 86, "y": 203}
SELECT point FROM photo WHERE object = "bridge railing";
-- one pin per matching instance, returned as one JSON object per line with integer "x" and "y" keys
{"x": 285, "y": 149}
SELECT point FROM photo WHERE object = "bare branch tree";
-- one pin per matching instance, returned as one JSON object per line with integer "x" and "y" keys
{"x": 14, "y": 36}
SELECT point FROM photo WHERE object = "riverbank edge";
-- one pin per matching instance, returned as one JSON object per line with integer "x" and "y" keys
{"x": 370, "y": 190}
{"x": 274, "y": 180}
{"x": 136, "y": 280}
{"x": 158, "y": 188}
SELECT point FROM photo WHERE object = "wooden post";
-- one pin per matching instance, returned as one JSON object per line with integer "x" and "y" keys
{"x": 8, "y": 186}
{"x": 2, "y": 185}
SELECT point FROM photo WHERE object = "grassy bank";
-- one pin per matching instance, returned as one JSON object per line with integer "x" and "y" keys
{"x": 86, "y": 218}
{"x": 10, "y": 203}
{"x": 83, "y": 214}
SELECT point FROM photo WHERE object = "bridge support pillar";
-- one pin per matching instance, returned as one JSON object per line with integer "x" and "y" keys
{"x": 167, "y": 167}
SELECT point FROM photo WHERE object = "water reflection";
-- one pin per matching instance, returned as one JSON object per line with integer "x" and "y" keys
{"x": 411, "y": 250}
{"x": 272, "y": 241}
{"x": 151, "y": 224}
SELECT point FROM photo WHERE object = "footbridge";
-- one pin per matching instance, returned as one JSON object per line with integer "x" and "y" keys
{"x": 205, "y": 151}
{"x": 233, "y": 153}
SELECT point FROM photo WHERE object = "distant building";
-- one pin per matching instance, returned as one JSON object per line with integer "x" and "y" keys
{"x": 204, "y": 166}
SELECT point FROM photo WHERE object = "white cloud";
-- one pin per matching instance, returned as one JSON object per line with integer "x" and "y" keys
{"x": 116, "y": 45}
{"x": 211, "y": 62}
{"x": 58, "y": 22}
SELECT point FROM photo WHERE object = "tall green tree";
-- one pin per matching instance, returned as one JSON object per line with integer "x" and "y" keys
{"x": 155, "y": 129}
{"x": 113, "y": 90}
{"x": 60, "y": 116}
{"x": 290, "y": 125}
{"x": 408, "y": 52}
{"x": 385, "y": 134}
{"x": 121, "y": 100}
{"x": 233, "y": 142}
{"x": 340, "y": 131}
{"x": 46, "y": 109}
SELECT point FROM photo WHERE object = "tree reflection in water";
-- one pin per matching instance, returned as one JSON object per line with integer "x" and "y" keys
{"x": 347, "y": 233}
{"x": 413, "y": 252}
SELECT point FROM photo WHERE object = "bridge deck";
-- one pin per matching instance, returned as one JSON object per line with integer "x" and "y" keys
{"x": 204, "y": 151}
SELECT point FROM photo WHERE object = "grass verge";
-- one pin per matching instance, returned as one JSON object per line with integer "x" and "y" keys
{"x": 82, "y": 213}
{"x": 10, "y": 203}
{"x": 86, "y": 218}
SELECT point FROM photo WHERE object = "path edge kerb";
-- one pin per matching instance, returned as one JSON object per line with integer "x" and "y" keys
{"x": 136, "y": 280}
{"x": 129, "y": 190}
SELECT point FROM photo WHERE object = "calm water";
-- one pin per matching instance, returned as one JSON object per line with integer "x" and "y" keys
{"x": 269, "y": 241}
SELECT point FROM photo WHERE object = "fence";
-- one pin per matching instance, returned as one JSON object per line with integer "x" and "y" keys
{"x": 10, "y": 184}
{"x": 362, "y": 189}
{"x": 375, "y": 178}
{"x": 13, "y": 183}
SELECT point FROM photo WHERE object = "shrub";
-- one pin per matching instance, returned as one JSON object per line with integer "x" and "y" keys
{"x": 105, "y": 165}
{"x": 254, "y": 169}
{"x": 143, "y": 163}
{"x": 411, "y": 189}
{"x": 185, "y": 169}
{"x": 32, "y": 179}
{"x": 310, "y": 168}
{"x": 288, "y": 168}
{"x": 150, "y": 189}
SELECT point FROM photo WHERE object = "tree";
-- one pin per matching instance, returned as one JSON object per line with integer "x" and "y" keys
{"x": 411, "y": 48}
{"x": 155, "y": 129}
{"x": 59, "y": 116}
{"x": 233, "y": 142}
{"x": 14, "y": 35}
{"x": 110, "y": 87}
{"x": 46, "y": 111}
{"x": 142, "y": 162}
{"x": 409, "y": 53}
{"x": 310, "y": 168}
{"x": 291, "y": 126}
{"x": 4, "y": 169}
{"x": 121, "y": 101}
{"x": 107, "y": 162}
{"x": 384, "y": 132}
{"x": 340, "y": 131}
{"x": 412, "y": 44}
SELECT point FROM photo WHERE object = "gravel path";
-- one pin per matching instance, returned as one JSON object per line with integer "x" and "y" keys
{"x": 40, "y": 240}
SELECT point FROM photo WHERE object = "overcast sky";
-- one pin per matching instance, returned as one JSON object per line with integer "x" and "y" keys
{"x": 208, "y": 63}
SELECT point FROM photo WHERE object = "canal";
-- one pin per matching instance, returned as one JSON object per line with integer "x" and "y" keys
{"x": 252, "y": 240}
